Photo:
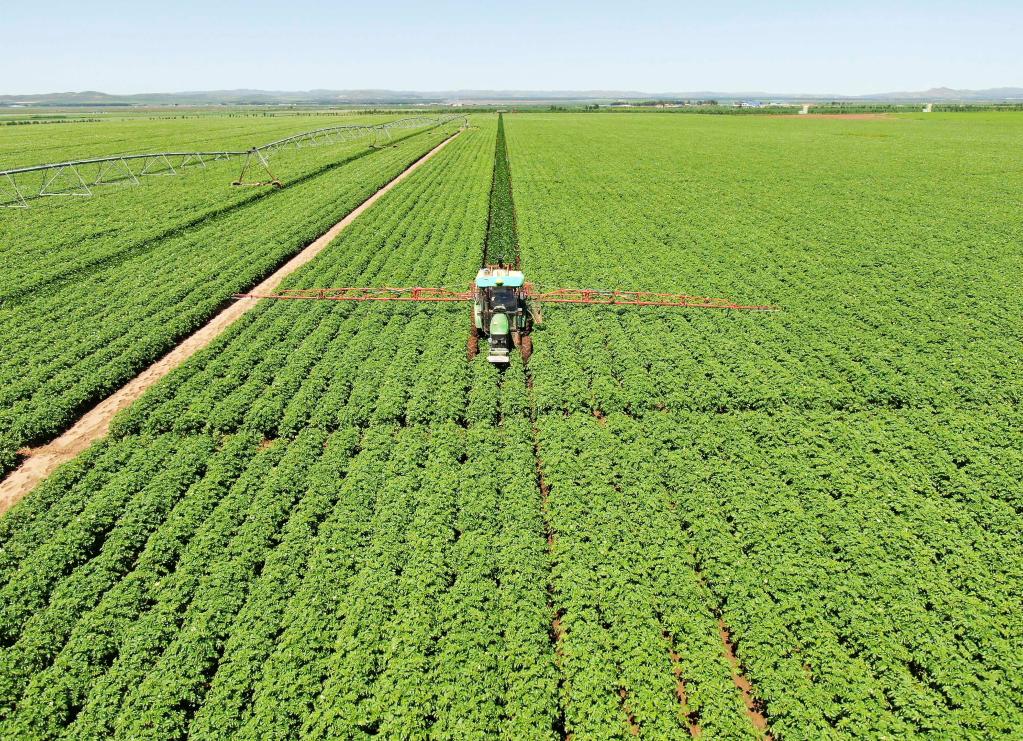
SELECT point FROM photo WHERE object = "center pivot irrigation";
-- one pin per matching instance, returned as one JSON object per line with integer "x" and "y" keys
{"x": 505, "y": 307}
{"x": 78, "y": 177}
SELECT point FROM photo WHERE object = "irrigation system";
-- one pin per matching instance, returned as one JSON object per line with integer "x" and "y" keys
{"x": 79, "y": 177}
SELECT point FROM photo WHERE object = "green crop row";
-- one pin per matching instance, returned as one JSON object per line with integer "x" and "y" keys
{"x": 121, "y": 313}
{"x": 119, "y": 134}
{"x": 362, "y": 549}
{"x": 501, "y": 246}
{"x": 61, "y": 238}
{"x": 333, "y": 524}
{"x": 838, "y": 479}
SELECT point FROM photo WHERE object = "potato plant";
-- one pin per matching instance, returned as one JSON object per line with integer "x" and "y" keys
{"x": 333, "y": 524}
{"x": 119, "y": 299}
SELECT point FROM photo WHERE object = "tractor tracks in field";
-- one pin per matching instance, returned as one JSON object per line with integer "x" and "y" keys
{"x": 557, "y": 630}
{"x": 502, "y": 245}
{"x": 754, "y": 709}
{"x": 41, "y": 461}
{"x": 692, "y": 719}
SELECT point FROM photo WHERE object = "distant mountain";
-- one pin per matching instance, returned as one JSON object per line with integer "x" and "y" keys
{"x": 391, "y": 97}
{"x": 947, "y": 94}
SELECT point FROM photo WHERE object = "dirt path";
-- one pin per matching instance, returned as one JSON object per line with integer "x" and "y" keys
{"x": 753, "y": 711}
{"x": 680, "y": 686}
{"x": 43, "y": 460}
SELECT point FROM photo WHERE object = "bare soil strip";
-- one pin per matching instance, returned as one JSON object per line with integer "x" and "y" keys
{"x": 557, "y": 632}
{"x": 43, "y": 460}
{"x": 680, "y": 687}
{"x": 630, "y": 718}
{"x": 753, "y": 710}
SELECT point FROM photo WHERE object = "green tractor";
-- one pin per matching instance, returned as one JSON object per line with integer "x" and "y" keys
{"x": 502, "y": 312}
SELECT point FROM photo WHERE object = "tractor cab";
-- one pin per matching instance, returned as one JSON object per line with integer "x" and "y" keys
{"x": 500, "y": 310}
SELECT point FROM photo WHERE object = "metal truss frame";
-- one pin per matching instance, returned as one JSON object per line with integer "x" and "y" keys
{"x": 259, "y": 157}
{"x": 555, "y": 296}
{"x": 75, "y": 177}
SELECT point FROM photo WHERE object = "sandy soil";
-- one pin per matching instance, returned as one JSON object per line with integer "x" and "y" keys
{"x": 43, "y": 460}
{"x": 756, "y": 716}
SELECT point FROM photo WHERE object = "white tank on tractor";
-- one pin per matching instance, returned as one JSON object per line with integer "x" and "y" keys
{"x": 500, "y": 310}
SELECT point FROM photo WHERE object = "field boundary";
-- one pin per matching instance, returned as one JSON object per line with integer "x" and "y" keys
{"x": 41, "y": 461}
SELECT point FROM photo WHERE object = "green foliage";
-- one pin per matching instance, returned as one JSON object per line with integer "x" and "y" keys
{"x": 501, "y": 245}
{"x": 361, "y": 549}
{"x": 100, "y": 289}
{"x": 332, "y": 524}
{"x": 834, "y": 481}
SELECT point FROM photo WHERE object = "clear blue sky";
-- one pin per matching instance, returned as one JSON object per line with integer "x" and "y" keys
{"x": 726, "y": 45}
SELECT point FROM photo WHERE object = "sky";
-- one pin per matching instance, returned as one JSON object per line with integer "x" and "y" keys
{"x": 658, "y": 46}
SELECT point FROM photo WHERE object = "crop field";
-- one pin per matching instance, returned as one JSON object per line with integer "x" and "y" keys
{"x": 332, "y": 523}
{"x": 125, "y": 134}
{"x": 121, "y": 277}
